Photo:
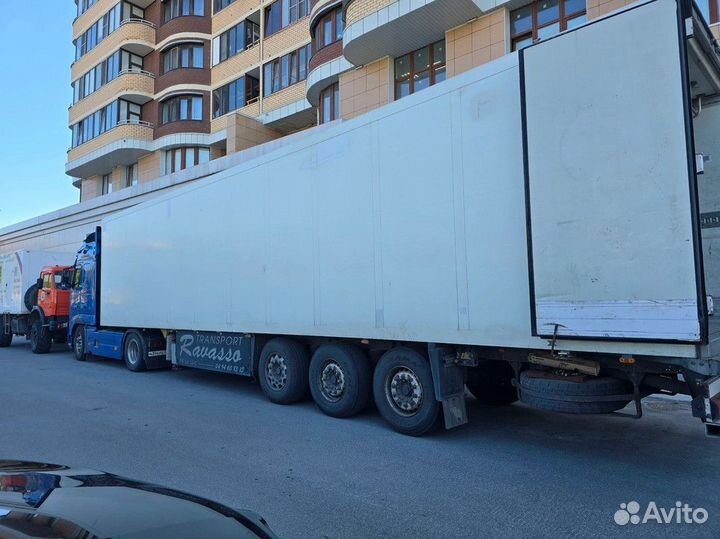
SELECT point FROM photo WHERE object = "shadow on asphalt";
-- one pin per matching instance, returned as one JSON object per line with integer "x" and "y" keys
{"x": 598, "y": 438}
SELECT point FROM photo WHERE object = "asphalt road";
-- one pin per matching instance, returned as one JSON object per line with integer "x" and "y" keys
{"x": 513, "y": 472}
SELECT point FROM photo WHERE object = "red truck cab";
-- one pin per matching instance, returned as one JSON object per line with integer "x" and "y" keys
{"x": 49, "y": 316}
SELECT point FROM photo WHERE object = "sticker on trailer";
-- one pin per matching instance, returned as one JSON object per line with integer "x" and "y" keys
{"x": 223, "y": 352}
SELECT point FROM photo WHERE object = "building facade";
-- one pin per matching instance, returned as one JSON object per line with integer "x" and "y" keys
{"x": 160, "y": 86}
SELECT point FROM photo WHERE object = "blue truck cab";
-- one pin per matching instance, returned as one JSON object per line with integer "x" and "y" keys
{"x": 140, "y": 349}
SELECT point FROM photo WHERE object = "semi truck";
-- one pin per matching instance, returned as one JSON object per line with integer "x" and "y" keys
{"x": 539, "y": 228}
{"x": 35, "y": 297}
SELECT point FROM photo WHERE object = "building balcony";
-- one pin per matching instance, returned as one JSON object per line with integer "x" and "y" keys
{"x": 97, "y": 10}
{"x": 325, "y": 68}
{"x": 136, "y": 86}
{"x": 134, "y": 35}
{"x": 320, "y": 7}
{"x": 122, "y": 145}
{"x": 233, "y": 14}
{"x": 236, "y": 66}
{"x": 378, "y": 28}
{"x": 288, "y": 110}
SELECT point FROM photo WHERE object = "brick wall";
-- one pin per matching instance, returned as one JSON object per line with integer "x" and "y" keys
{"x": 362, "y": 8}
{"x": 476, "y": 42}
{"x": 129, "y": 32}
{"x": 232, "y": 68}
{"x": 365, "y": 89}
{"x": 120, "y": 132}
{"x": 326, "y": 54}
{"x": 91, "y": 16}
{"x": 233, "y": 14}
{"x": 124, "y": 83}
{"x": 288, "y": 39}
{"x": 284, "y": 97}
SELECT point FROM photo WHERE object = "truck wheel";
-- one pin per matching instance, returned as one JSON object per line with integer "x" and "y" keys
{"x": 340, "y": 379}
{"x": 403, "y": 391}
{"x": 135, "y": 351}
{"x": 491, "y": 383}
{"x": 60, "y": 338}
{"x": 78, "y": 343}
{"x": 40, "y": 338}
{"x": 283, "y": 370}
{"x": 544, "y": 391}
{"x": 30, "y": 297}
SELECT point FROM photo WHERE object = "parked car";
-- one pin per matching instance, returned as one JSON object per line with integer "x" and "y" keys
{"x": 47, "y": 500}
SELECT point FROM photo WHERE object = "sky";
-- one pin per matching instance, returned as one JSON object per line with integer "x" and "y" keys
{"x": 35, "y": 95}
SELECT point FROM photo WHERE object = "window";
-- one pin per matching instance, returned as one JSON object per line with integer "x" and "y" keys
{"x": 184, "y": 56}
{"x": 131, "y": 175}
{"x": 543, "y": 19}
{"x": 180, "y": 108}
{"x": 286, "y": 70}
{"x": 84, "y": 5}
{"x": 106, "y": 25}
{"x": 117, "y": 112}
{"x": 182, "y": 8}
{"x": 235, "y": 95}
{"x": 234, "y": 41}
{"x": 709, "y": 10}
{"x": 419, "y": 69}
{"x": 182, "y": 158}
{"x": 329, "y": 29}
{"x": 330, "y": 103}
{"x": 106, "y": 185}
{"x": 283, "y": 13}
{"x": 105, "y": 72}
{"x": 221, "y": 4}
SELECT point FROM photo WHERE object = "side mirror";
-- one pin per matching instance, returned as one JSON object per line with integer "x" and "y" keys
{"x": 39, "y": 283}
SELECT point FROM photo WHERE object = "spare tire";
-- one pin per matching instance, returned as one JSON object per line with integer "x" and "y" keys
{"x": 31, "y": 296}
{"x": 574, "y": 394}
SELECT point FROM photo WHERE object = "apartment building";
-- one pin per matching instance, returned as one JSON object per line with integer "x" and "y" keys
{"x": 163, "y": 85}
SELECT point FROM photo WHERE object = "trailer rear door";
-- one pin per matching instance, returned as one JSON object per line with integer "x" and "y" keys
{"x": 612, "y": 221}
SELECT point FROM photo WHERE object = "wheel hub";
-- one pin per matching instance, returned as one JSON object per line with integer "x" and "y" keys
{"x": 332, "y": 381}
{"x": 404, "y": 391}
{"x": 133, "y": 352}
{"x": 276, "y": 372}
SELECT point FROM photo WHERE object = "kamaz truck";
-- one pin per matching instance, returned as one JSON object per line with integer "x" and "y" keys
{"x": 35, "y": 298}
{"x": 538, "y": 228}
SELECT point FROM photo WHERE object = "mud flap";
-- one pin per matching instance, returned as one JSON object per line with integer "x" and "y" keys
{"x": 449, "y": 385}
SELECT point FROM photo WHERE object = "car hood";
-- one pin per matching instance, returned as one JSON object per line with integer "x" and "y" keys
{"x": 47, "y": 500}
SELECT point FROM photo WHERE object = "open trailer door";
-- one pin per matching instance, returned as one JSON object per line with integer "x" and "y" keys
{"x": 613, "y": 225}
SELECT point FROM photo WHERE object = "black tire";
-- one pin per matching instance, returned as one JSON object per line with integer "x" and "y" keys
{"x": 78, "y": 343}
{"x": 40, "y": 337}
{"x": 30, "y": 298}
{"x": 135, "y": 351}
{"x": 340, "y": 379}
{"x": 399, "y": 371}
{"x": 555, "y": 394}
{"x": 491, "y": 383}
{"x": 283, "y": 370}
{"x": 5, "y": 338}
{"x": 60, "y": 338}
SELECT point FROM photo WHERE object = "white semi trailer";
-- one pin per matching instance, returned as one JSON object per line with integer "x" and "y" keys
{"x": 530, "y": 229}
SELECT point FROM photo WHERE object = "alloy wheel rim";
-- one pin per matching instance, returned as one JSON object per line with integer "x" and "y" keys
{"x": 133, "y": 352}
{"x": 276, "y": 372}
{"x": 332, "y": 381}
{"x": 404, "y": 391}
